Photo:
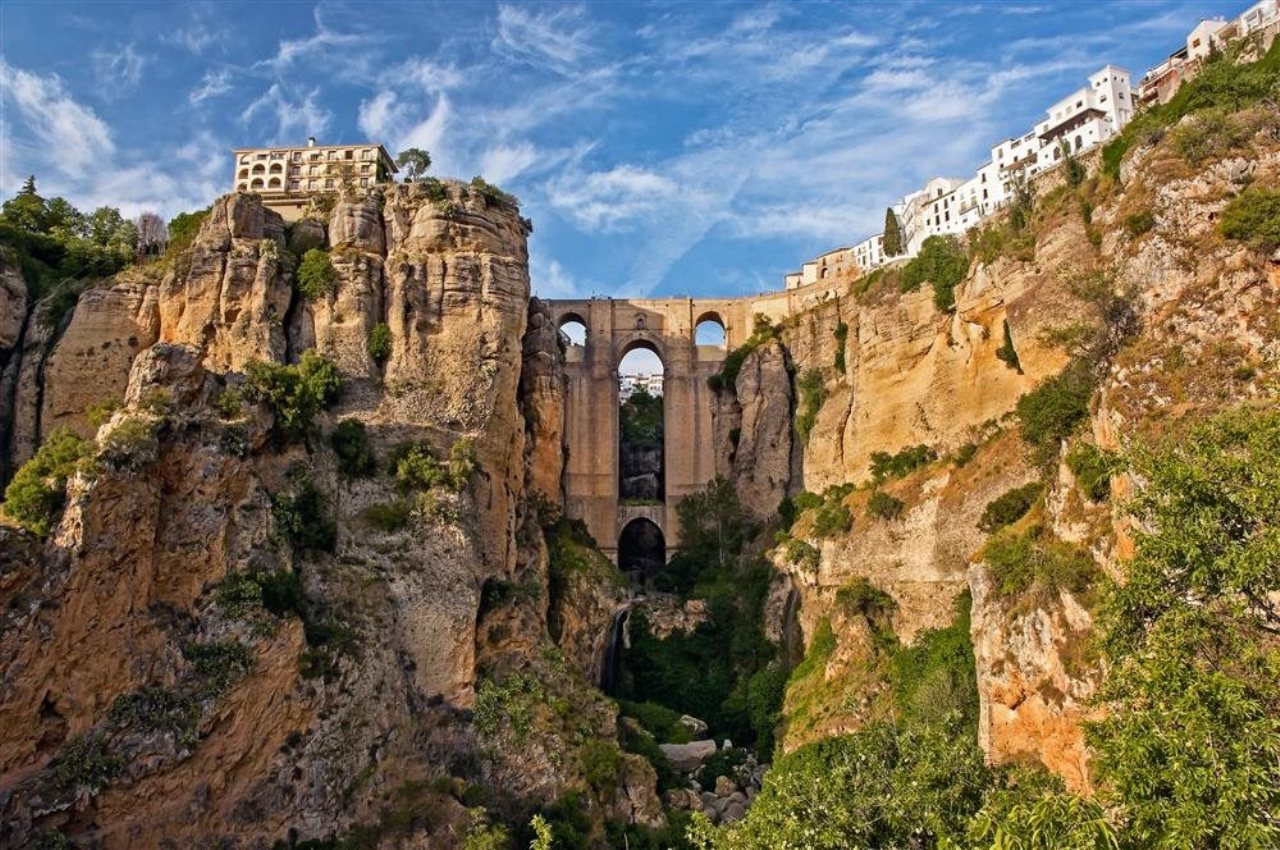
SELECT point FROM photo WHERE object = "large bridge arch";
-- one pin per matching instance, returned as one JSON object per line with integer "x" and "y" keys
{"x": 614, "y": 328}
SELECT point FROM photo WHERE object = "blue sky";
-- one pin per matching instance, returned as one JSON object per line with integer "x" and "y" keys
{"x": 690, "y": 148}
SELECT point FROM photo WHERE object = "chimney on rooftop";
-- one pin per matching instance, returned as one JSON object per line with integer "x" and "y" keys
{"x": 311, "y": 141}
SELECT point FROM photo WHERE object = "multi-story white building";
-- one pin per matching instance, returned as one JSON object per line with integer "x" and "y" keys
{"x": 629, "y": 385}
{"x": 288, "y": 177}
{"x": 951, "y": 206}
{"x": 1161, "y": 83}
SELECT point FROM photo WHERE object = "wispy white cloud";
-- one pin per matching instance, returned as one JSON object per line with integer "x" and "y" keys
{"x": 117, "y": 71}
{"x": 55, "y": 121}
{"x": 203, "y": 30}
{"x": 545, "y": 36}
{"x": 294, "y": 118}
{"x": 215, "y": 82}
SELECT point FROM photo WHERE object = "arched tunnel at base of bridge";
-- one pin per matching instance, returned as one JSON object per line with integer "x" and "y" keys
{"x": 642, "y": 551}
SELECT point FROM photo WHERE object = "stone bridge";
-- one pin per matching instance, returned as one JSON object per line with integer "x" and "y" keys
{"x": 667, "y": 328}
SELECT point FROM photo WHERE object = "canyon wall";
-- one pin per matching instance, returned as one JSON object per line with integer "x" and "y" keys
{"x": 183, "y": 661}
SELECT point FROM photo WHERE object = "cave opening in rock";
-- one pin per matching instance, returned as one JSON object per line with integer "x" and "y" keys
{"x": 642, "y": 549}
{"x": 641, "y": 479}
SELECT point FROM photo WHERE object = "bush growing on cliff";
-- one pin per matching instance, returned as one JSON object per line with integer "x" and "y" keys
{"x": 218, "y": 664}
{"x": 350, "y": 441}
{"x": 316, "y": 276}
{"x": 813, "y": 392}
{"x": 85, "y": 763}
{"x": 943, "y": 262}
{"x": 883, "y": 506}
{"x": 38, "y": 489}
{"x": 131, "y": 444}
{"x": 155, "y": 708}
{"x": 727, "y": 378}
{"x": 900, "y": 464}
{"x": 935, "y": 680}
{"x": 1029, "y": 564}
{"x": 1253, "y": 217}
{"x": 842, "y": 341}
{"x": 379, "y": 345}
{"x": 493, "y": 196}
{"x": 832, "y": 518}
{"x": 1093, "y": 468}
{"x": 416, "y": 468}
{"x": 1051, "y": 412}
{"x": 295, "y": 393}
{"x": 1009, "y": 507}
{"x": 302, "y": 518}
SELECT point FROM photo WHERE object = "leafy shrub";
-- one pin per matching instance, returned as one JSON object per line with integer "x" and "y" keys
{"x": 183, "y": 229}
{"x": 885, "y": 466}
{"x": 1093, "y": 468}
{"x": 379, "y": 345}
{"x": 1032, "y": 562}
{"x": 388, "y": 516}
{"x": 1006, "y": 353}
{"x": 1050, "y": 413}
{"x": 883, "y": 506}
{"x": 316, "y": 276}
{"x": 131, "y": 444}
{"x": 218, "y": 663}
{"x": 1253, "y": 217}
{"x": 802, "y": 554}
{"x": 512, "y": 700}
{"x": 1188, "y": 740}
{"x": 813, "y": 392}
{"x": 1211, "y": 133}
{"x": 964, "y": 454}
{"x": 842, "y": 341}
{"x": 38, "y": 489}
{"x": 934, "y": 680}
{"x": 303, "y": 518}
{"x": 295, "y": 394}
{"x": 1139, "y": 223}
{"x": 727, "y": 378}
{"x": 943, "y": 262}
{"x": 416, "y": 468}
{"x": 155, "y": 708}
{"x": 239, "y": 594}
{"x": 493, "y": 196}
{"x": 644, "y": 744}
{"x": 84, "y": 763}
{"x": 99, "y": 412}
{"x": 350, "y": 441}
{"x": 832, "y": 518}
{"x": 720, "y": 763}
{"x": 862, "y": 598}
{"x": 1010, "y": 507}
{"x": 879, "y": 787}
{"x": 601, "y": 761}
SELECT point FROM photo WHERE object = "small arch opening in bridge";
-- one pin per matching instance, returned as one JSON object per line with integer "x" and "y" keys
{"x": 709, "y": 330}
{"x": 573, "y": 330}
{"x": 641, "y": 426}
{"x": 642, "y": 550}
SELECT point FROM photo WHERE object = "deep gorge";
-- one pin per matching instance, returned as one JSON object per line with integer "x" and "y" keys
{"x": 288, "y": 557}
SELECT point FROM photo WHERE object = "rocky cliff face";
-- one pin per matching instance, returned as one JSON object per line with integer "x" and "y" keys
{"x": 1204, "y": 326}
{"x": 183, "y": 663}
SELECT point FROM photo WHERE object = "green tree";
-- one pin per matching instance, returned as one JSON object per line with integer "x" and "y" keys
{"x": 879, "y": 787}
{"x": 38, "y": 489}
{"x": 942, "y": 262}
{"x": 1190, "y": 745}
{"x": 415, "y": 162}
{"x": 892, "y": 234}
{"x": 316, "y": 276}
{"x": 294, "y": 393}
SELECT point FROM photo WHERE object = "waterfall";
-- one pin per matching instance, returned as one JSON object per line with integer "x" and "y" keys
{"x": 618, "y": 640}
